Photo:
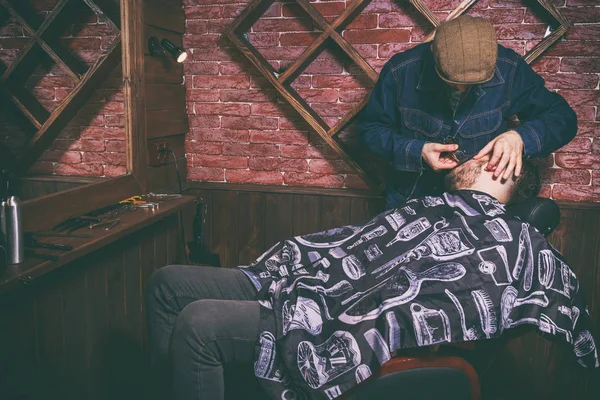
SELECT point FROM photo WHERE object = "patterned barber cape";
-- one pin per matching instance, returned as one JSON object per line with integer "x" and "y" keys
{"x": 336, "y": 304}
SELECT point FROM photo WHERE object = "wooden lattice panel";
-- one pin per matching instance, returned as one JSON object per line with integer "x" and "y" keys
{"x": 41, "y": 44}
{"x": 237, "y": 33}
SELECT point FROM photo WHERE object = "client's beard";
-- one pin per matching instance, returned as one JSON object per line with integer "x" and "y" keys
{"x": 464, "y": 176}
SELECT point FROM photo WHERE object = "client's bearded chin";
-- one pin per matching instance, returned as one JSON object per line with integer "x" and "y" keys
{"x": 464, "y": 176}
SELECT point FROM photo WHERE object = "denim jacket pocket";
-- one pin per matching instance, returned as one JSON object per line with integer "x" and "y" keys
{"x": 420, "y": 123}
{"x": 481, "y": 124}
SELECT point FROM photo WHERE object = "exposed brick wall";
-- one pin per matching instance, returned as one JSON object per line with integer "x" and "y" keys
{"x": 93, "y": 144}
{"x": 241, "y": 132}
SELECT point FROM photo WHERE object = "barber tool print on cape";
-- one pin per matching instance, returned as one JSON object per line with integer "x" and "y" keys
{"x": 337, "y": 304}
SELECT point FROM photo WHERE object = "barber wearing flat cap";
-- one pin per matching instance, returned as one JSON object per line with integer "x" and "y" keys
{"x": 441, "y": 103}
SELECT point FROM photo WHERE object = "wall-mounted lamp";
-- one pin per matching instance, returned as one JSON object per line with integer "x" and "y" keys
{"x": 156, "y": 49}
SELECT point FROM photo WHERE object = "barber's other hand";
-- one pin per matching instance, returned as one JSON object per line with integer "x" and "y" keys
{"x": 432, "y": 154}
{"x": 506, "y": 155}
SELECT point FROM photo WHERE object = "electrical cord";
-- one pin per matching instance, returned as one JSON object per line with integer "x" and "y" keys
{"x": 167, "y": 150}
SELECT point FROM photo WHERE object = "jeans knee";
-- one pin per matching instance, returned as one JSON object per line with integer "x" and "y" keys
{"x": 160, "y": 280}
{"x": 194, "y": 328}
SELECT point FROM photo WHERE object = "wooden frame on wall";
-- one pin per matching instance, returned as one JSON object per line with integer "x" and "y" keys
{"x": 46, "y": 211}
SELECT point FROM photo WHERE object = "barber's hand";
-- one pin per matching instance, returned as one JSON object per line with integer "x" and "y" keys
{"x": 506, "y": 155}
{"x": 432, "y": 154}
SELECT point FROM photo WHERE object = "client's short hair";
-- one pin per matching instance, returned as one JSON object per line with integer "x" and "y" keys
{"x": 528, "y": 184}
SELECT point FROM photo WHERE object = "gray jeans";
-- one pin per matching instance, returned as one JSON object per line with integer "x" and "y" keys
{"x": 200, "y": 318}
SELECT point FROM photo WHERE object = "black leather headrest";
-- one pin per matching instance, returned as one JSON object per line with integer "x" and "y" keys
{"x": 542, "y": 213}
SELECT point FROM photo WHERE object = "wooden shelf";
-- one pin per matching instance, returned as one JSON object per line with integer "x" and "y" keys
{"x": 44, "y": 42}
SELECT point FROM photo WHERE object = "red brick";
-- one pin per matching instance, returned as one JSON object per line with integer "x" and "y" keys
{"x": 280, "y": 137}
{"x": 81, "y": 43}
{"x": 585, "y": 113}
{"x": 65, "y": 157}
{"x": 520, "y": 32}
{"x": 366, "y": 50}
{"x": 114, "y": 170}
{"x": 219, "y": 135}
{"x": 104, "y": 158}
{"x": 500, "y": 16}
{"x": 365, "y": 21}
{"x": 42, "y": 167}
{"x": 117, "y": 146}
{"x": 332, "y": 110}
{"x": 581, "y": 97}
{"x": 115, "y": 121}
{"x": 517, "y": 45}
{"x": 577, "y": 145}
{"x": 201, "y": 68}
{"x": 251, "y": 149}
{"x": 566, "y": 176}
{"x": 235, "y": 68}
{"x": 302, "y": 82}
{"x": 112, "y": 95}
{"x": 56, "y": 81}
{"x": 546, "y": 64}
{"x": 297, "y": 39}
{"x": 402, "y": 20}
{"x": 326, "y": 9}
{"x": 202, "y": 41}
{"x": 336, "y": 82}
{"x": 204, "y": 121}
{"x": 352, "y": 95}
{"x": 570, "y": 81}
{"x": 586, "y": 129}
{"x": 596, "y": 146}
{"x": 293, "y": 123}
{"x": 263, "y": 39}
{"x": 206, "y": 174}
{"x": 204, "y": 12}
{"x": 79, "y": 169}
{"x": 277, "y": 164}
{"x": 214, "y": 54}
{"x": 578, "y": 161}
{"x": 319, "y": 95}
{"x": 222, "y": 82}
{"x": 213, "y": 148}
{"x": 221, "y": 109}
{"x": 283, "y": 25}
{"x": 254, "y": 96}
{"x": 506, "y": 3}
{"x": 571, "y": 48}
{"x": 259, "y": 82}
{"x": 282, "y": 53}
{"x": 196, "y": 27}
{"x": 91, "y": 132}
{"x": 233, "y": 10}
{"x": 78, "y": 145}
{"x": 377, "y": 36}
{"x": 307, "y": 152}
{"x": 575, "y": 193}
{"x": 278, "y": 109}
{"x": 584, "y": 32}
{"x": 378, "y": 7}
{"x": 308, "y": 179}
{"x": 596, "y": 178}
{"x": 586, "y": 64}
{"x": 258, "y": 177}
{"x": 330, "y": 167}
{"x": 324, "y": 66}
{"x": 220, "y": 161}
{"x": 202, "y": 95}
{"x": 387, "y": 50}
{"x": 546, "y": 191}
{"x": 112, "y": 107}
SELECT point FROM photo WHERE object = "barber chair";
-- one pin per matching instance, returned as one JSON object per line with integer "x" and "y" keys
{"x": 436, "y": 376}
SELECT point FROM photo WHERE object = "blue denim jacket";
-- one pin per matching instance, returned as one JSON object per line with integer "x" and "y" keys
{"x": 409, "y": 107}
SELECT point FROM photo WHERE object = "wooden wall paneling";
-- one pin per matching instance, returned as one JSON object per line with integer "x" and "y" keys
{"x": 163, "y": 70}
{"x": 306, "y": 211}
{"x": 279, "y": 218}
{"x": 251, "y": 226}
{"x": 165, "y": 15}
{"x": 133, "y": 282}
{"x": 50, "y": 331}
{"x": 188, "y": 218}
{"x": 225, "y": 227}
{"x": 159, "y": 33}
{"x": 165, "y": 96}
{"x": 335, "y": 212}
{"x": 163, "y": 123}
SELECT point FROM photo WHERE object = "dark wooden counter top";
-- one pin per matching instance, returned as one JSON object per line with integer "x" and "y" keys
{"x": 14, "y": 276}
